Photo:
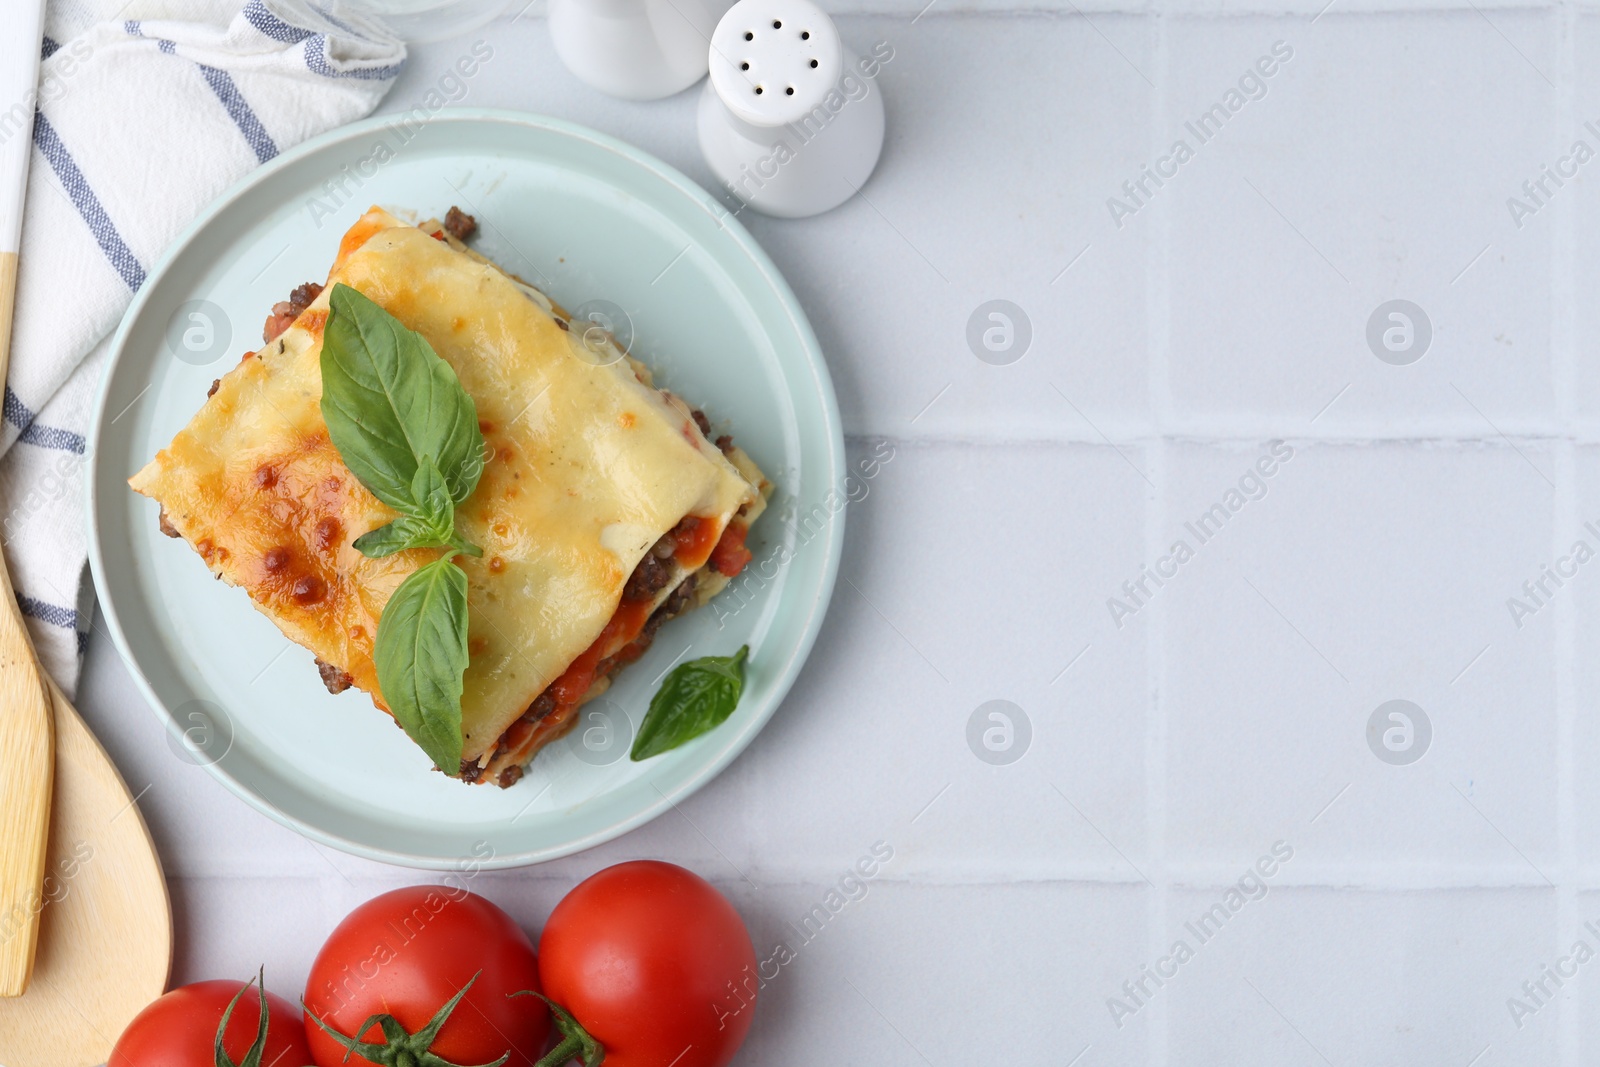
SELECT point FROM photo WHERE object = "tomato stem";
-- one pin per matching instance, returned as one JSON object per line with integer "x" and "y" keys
{"x": 569, "y": 1047}
{"x": 575, "y": 1040}
{"x": 399, "y": 1049}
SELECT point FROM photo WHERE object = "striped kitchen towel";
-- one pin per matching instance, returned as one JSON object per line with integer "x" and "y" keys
{"x": 146, "y": 111}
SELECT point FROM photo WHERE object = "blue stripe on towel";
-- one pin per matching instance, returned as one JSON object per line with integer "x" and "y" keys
{"x": 317, "y": 63}
{"x": 52, "y": 614}
{"x": 52, "y": 437}
{"x": 17, "y": 414}
{"x": 270, "y": 25}
{"x": 243, "y": 117}
{"x": 49, "y": 47}
{"x": 316, "y": 56}
{"x": 88, "y": 205}
{"x": 227, "y": 91}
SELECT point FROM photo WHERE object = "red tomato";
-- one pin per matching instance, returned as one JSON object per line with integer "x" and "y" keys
{"x": 179, "y": 1028}
{"x": 654, "y": 964}
{"x": 405, "y": 954}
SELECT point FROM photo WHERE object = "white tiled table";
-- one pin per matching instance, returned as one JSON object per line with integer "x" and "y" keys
{"x": 1230, "y": 712}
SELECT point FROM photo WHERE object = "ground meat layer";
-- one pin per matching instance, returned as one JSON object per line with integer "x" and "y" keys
{"x": 284, "y": 312}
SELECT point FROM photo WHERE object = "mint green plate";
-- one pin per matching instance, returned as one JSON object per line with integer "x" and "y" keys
{"x": 600, "y": 225}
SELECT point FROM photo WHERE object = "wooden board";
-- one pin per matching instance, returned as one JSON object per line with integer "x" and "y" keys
{"x": 105, "y": 933}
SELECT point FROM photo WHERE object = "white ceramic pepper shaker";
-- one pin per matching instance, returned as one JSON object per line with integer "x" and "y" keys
{"x": 635, "y": 49}
{"x": 790, "y": 121}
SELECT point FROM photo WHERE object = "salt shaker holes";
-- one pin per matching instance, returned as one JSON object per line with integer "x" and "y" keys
{"x": 774, "y": 64}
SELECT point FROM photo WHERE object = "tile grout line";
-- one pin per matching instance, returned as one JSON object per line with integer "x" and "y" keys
{"x": 1563, "y": 311}
{"x": 1200, "y": 877}
{"x": 1209, "y": 15}
{"x": 1158, "y": 255}
{"x": 1566, "y": 518}
{"x": 1157, "y": 297}
{"x": 1248, "y": 437}
{"x": 1566, "y": 512}
{"x": 1156, "y": 861}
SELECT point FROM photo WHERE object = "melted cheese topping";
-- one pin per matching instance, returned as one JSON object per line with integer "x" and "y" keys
{"x": 589, "y": 466}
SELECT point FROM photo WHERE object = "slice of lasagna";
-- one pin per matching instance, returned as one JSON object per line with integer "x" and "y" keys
{"x": 603, "y": 509}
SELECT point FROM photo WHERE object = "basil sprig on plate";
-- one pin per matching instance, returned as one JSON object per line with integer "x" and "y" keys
{"x": 696, "y": 697}
{"x": 409, "y": 432}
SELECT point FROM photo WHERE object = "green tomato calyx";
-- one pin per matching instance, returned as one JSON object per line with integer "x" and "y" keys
{"x": 575, "y": 1040}
{"x": 400, "y": 1049}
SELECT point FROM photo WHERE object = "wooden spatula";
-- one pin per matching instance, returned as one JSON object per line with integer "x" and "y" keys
{"x": 27, "y": 759}
{"x": 79, "y": 877}
{"x": 27, "y": 767}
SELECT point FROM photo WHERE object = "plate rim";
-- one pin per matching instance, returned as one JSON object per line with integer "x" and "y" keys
{"x": 816, "y": 609}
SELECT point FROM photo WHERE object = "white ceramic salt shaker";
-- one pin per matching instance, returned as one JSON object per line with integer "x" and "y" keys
{"x": 635, "y": 49}
{"x": 790, "y": 121}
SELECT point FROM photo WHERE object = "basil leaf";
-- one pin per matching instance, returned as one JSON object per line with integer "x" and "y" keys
{"x": 408, "y": 531}
{"x": 433, "y": 525}
{"x": 696, "y": 697}
{"x": 389, "y": 400}
{"x": 421, "y": 654}
{"x": 432, "y": 495}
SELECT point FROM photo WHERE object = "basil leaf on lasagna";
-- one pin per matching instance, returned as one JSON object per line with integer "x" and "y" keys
{"x": 406, "y": 532}
{"x": 431, "y": 526}
{"x": 421, "y": 655}
{"x": 412, "y": 531}
{"x": 389, "y": 400}
{"x": 696, "y": 697}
